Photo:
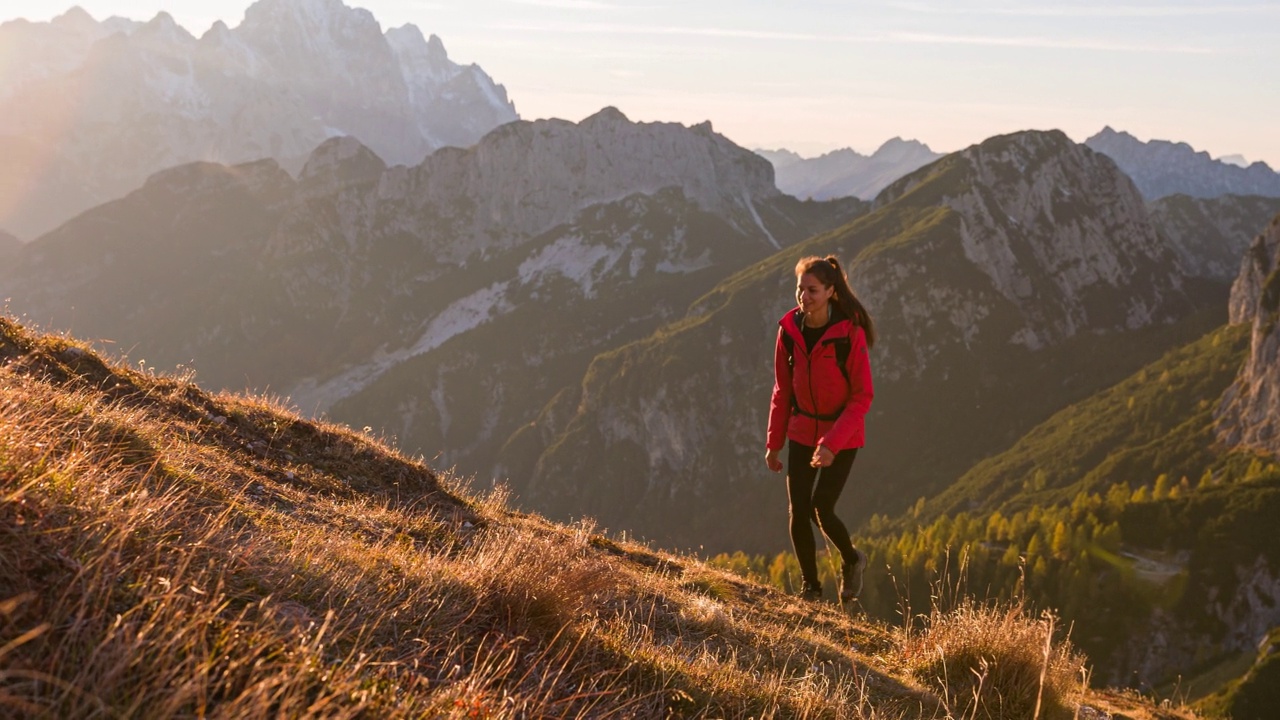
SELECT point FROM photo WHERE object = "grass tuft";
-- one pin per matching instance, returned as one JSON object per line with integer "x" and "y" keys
{"x": 996, "y": 661}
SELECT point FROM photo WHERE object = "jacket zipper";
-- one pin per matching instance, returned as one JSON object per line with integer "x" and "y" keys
{"x": 813, "y": 400}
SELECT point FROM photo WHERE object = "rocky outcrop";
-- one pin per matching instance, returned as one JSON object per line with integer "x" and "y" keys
{"x": 459, "y": 206}
{"x": 847, "y": 173}
{"x": 1162, "y": 168}
{"x": 101, "y": 106}
{"x": 1249, "y": 414}
{"x": 1237, "y": 616}
{"x": 1210, "y": 235}
{"x": 1043, "y": 217}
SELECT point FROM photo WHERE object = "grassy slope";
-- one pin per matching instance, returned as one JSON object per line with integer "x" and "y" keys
{"x": 172, "y": 553}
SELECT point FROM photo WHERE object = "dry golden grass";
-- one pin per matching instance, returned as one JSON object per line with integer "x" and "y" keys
{"x": 169, "y": 553}
{"x": 994, "y": 661}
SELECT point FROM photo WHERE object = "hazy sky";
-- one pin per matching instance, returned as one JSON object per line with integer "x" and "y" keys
{"x": 815, "y": 75}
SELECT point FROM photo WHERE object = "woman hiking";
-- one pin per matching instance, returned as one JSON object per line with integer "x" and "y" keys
{"x": 821, "y": 394}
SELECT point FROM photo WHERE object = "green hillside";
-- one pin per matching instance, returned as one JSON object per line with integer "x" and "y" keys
{"x": 1157, "y": 421}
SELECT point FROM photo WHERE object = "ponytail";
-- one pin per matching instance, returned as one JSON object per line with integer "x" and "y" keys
{"x": 829, "y": 272}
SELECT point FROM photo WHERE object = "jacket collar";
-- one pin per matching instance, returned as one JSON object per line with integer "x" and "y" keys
{"x": 793, "y": 323}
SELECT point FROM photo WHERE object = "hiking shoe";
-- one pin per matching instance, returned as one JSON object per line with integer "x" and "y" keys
{"x": 812, "y": 593}
{"x": 851, "y": 577}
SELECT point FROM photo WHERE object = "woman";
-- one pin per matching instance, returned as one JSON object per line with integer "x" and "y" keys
{"x": 821, "y": 394}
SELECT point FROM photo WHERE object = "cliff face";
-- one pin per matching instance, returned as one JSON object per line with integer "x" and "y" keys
{"x": 1250, "y": 411}
{"x": 1044, "y": 218}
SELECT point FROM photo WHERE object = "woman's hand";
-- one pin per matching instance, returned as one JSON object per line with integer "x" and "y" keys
{"x": 771, "y": 459}
{"x": 822, "y": 457}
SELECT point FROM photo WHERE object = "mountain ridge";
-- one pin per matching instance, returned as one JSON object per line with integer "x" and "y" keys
{"x": 1161, "y": 168}
{"x": 845, "y": 172}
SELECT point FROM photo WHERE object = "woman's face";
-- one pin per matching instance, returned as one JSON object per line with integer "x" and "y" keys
{"x": 812, "y": 295}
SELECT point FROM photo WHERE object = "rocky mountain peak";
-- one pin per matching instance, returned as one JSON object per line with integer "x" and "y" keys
{"x": 420, "y": 56}
{"x": 304, "y": 13}
{"x": 218, "y": 30}
{"x": 895, "y": 149}
{"x": 310, "y": 30}
{"x": 434, "y": 44}
{"x": 192, "y": 180}
{"x": 75, "y": 19}
{"x": 1253, "y": 293}
{"x": 1044, "y": 217}
{"x": 339, "y": 161}
{"x": 608, "y": 115}
{"x": 117, "y": 24}
{"x": 162, "y": 33}
{"x": 1249, "y": 414}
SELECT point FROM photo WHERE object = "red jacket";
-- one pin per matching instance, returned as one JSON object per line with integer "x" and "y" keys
{"x": 812, "y": 403}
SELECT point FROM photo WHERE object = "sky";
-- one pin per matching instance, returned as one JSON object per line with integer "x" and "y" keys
{"x": 816, "y": 75}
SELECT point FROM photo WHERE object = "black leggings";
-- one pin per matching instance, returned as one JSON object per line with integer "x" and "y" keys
{"x": 816, "y": 503}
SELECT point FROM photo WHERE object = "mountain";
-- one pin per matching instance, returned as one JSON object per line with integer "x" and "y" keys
{"x": 779, "y": 158}
{"x": 1008, "y": 280}
{"x": 1161, "y": 168}
{"x": 101, "y": 106}
{"x": 1237, "y": 160}
{"x": 447, "y": 302}
{"x": 1211, "y": 235}
{"x": 846, "y": 173}
{"x": 1250, "y": 410}
{"x": 8, "y": 244}
{"x": 167, "y": 538}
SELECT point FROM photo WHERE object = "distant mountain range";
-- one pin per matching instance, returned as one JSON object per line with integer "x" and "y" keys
{"x": 847, "y": 173}
{"x": 96, "y": 107}
{"x": 1162, "y": 168}
{"x": 1159, "y": 168}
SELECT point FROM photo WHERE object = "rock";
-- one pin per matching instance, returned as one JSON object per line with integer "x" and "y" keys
{"x": 1249, "y": 414}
